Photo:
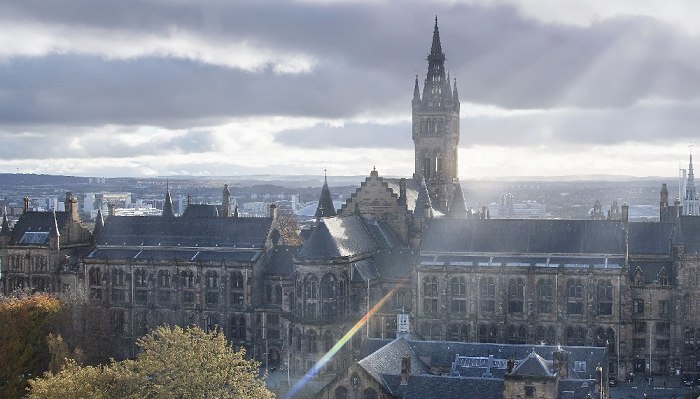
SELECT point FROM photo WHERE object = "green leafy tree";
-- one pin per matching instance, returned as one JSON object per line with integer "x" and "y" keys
{"x": 24, "y": 323}
{"x": 173, "y": 363}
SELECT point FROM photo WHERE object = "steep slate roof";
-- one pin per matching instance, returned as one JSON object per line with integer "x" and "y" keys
{"x": 384, "y": 236}
{"x": 33, "y": 228}
{"x": 185, "y": 232}
{"x": 387, "y": 360}
{"x": 395, "y": 262}
{"x": 524, "y": 236}
{"x": 337, "y": 237}
{"x": 433, "y": 386}
{"x": 201, "y": 211}
{"x": 187, "y": 255}
{"x": 533, "y": 364}
{"x": 325, "y": 206}
{"x": 281, "y": 261}
{"x": 650, "y": 238}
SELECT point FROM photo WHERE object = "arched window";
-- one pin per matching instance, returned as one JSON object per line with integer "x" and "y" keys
{"x": 328, "y": 297}
{"x": 516, "y": 295}
{"x": 187, "y": 279}
{"x": 238, "y": 327}
{"x": 140, "y": 278}
{"x": 545, "y": 295}
{"x": 575, "y": 336}
{"x": 212, "y": 295}
{"x": 459, "y": 332}
{"x": 369, "y": 393}
{"x": 341, "y": 392}
{"x": 458, "y": 293}
{"x": 488, "y": 333}
{"x": 311, "y": 297}
{"x": 545, "y": 335}
{"x": 312, "y": 341}
{"x": 118, "y": 277}
{"x": 212, "y": 279}
{"x": 164, "y": 279}
{"x": 311, "y": 288}
{"x": 430, "y": 295}
{"x": 574, "y": 296}
{"x": 236, "y": 289}
{"x": 95, "y": 276}
{"x": 487, "y": 290}
{"x": 605, "y": 298}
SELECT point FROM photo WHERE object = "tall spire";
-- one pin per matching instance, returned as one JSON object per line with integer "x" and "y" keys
{"x": 436, "y": 48}
{"x": 168, "y": 204}
{"x": 416, "y": 92}
{"x": 99, "y": 224}
{"x": 691, "y": 204}
{"x": 325, "y": 202}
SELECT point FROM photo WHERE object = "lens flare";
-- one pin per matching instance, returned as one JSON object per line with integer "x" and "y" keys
{"x": 322, "y": 362}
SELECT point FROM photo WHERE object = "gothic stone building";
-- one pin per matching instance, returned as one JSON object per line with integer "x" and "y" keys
{"x": 628, "y": 287}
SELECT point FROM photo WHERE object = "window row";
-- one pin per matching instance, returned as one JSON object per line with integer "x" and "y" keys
{"x": 164, "y": 279}
{"x": 515, "y": 295}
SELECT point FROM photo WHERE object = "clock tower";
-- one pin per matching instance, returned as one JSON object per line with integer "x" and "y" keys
{"x": 436, "y": 128}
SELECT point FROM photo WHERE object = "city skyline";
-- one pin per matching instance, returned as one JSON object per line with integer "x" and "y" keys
{"x": 219, "y": 89}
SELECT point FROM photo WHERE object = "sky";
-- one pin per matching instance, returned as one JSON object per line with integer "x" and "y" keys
{"x": 226, "y": 88}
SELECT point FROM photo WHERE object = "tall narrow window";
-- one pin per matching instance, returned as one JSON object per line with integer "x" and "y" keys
{"x": 605, "y": 298}
{"x": 487, "y": 288}
{"x": 516, "y": 295}
{"x": 574, "y": 290}
{"x": 430, "y": 295}
{"x": 458, "y": 291}
{"x": 545, "y": 293}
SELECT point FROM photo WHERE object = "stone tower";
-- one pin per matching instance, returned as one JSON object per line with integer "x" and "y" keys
{"x": 436, "y": 128}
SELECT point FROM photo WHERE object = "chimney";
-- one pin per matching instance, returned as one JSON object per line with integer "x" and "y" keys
{"x": 189, "y": 199}
{"x": 26, "y": 204}
{"x": 71, "y": 206}
{"x": 561, "y": 361}
{"x": 112, "y": 210}
{"x": 402, "y": 191}
{"x": 485, "y": 212}
{"x": 273, "y": 210}
{"x": 405, "y": 368}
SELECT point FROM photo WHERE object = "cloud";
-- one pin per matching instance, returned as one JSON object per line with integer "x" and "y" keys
{"x": 91, "y": 78}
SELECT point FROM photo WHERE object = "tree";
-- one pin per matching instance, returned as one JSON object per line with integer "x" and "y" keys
{"x": 173, "y": 363}
{"x": 23, "y": 348}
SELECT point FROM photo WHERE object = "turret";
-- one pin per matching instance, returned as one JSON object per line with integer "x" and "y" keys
{"x": 99, "y": 225}
{"x": 226, "y": 204}
{"x": 54, "y": 234}
{"x": 325, "y": 206}
{"x": 168, "y": 204}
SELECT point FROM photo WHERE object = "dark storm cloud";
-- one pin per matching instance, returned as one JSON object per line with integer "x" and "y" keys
{"x": 178, "y": 93}
{"x": 351, "y": 135}
{"x": 367, "y": 55}
{"x": 58, "y": 146}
